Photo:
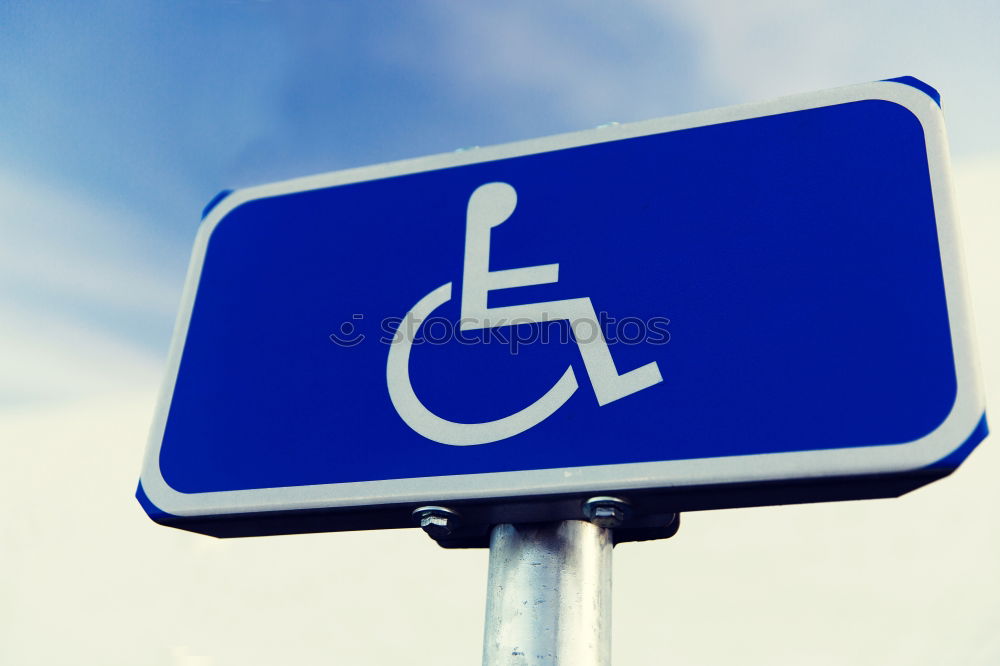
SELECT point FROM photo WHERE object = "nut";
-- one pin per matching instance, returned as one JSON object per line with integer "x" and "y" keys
{"x": 606, "y": 511}
{"x": 437, "y": 521}
{"x": 436, "y": 525}
{"x": 607, "y": 516}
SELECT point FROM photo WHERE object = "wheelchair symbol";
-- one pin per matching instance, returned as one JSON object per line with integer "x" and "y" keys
{"x": 490, "y": 205}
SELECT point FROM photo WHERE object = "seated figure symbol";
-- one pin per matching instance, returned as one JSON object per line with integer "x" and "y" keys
{"x": 490, "y": 205}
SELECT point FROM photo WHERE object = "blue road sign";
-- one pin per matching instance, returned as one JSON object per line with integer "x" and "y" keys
{"x": 750, "y": 305}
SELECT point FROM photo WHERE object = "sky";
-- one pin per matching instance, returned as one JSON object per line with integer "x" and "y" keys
{"x": 120, "y": 121}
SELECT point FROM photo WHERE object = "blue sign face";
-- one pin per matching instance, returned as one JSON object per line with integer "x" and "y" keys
{"x": 696, "y": 307}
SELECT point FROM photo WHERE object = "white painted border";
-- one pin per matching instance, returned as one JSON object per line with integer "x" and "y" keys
{"x": 887, "y": 458}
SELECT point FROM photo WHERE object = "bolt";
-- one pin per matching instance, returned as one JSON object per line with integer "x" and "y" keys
{"x": 436, "y": 526}
{"x": 606, "y": 511}
{"x": 437, "y": 521}
{"x": 607, "y": 516}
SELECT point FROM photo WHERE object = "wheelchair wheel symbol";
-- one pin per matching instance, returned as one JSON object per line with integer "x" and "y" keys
{"x": 490, "y": 205}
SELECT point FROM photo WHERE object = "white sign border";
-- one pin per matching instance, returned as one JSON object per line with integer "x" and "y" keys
{"x": 877, "y": 459}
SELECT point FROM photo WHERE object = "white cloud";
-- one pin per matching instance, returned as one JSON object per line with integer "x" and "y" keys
{"x": 769, "y": 48}
{"x": 74, "y": 276}
{"x": 58, "y": 244}
{"x": 88, "y": 579}
{"x": 48, "y": 356}
{"x": 758, "y": 50}
{"x": 563, "y": 65}
{"x": 978, "y": 192}
{"x": 581, "y": 63}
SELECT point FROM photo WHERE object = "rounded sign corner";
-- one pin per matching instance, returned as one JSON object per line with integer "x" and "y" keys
{"x": 952, "y": 460}
{"x": 215, "y": 201}
{"x": 915, "y": 99}
{"x": 152, "y": 510}
{"x": 218, "y": 210}
{"x": 918, "y": 84}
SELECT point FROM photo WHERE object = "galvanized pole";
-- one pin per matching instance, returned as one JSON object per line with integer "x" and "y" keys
{"x": 549, "y": 595}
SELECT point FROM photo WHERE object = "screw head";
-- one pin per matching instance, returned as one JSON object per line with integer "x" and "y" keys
{"x": 606, "y": 511}
{"x": 437, "y": 521}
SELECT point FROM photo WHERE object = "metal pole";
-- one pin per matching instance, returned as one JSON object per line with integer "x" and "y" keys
{"x": 549, "y": 595}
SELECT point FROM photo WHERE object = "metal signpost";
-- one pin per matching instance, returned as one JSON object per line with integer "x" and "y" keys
{"x": 551, "y": 346}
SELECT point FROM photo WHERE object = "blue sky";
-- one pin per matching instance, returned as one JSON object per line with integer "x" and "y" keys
{"x": 146, "y": 109}
{"x": 120, "y": 120}
{"x": 150, "y": 108}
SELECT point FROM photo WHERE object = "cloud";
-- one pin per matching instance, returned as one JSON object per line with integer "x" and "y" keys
{"x": 51, "y": 357}
{"x": 61, "y": 245}
{"x": 84, "y": 296}
{"x": 582, "y": 59}
{"x": 758, "y": 50}
{"x": 531, "y": 68}
{"x": 977, "y": 185}
{"x": 82, "y": 560}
